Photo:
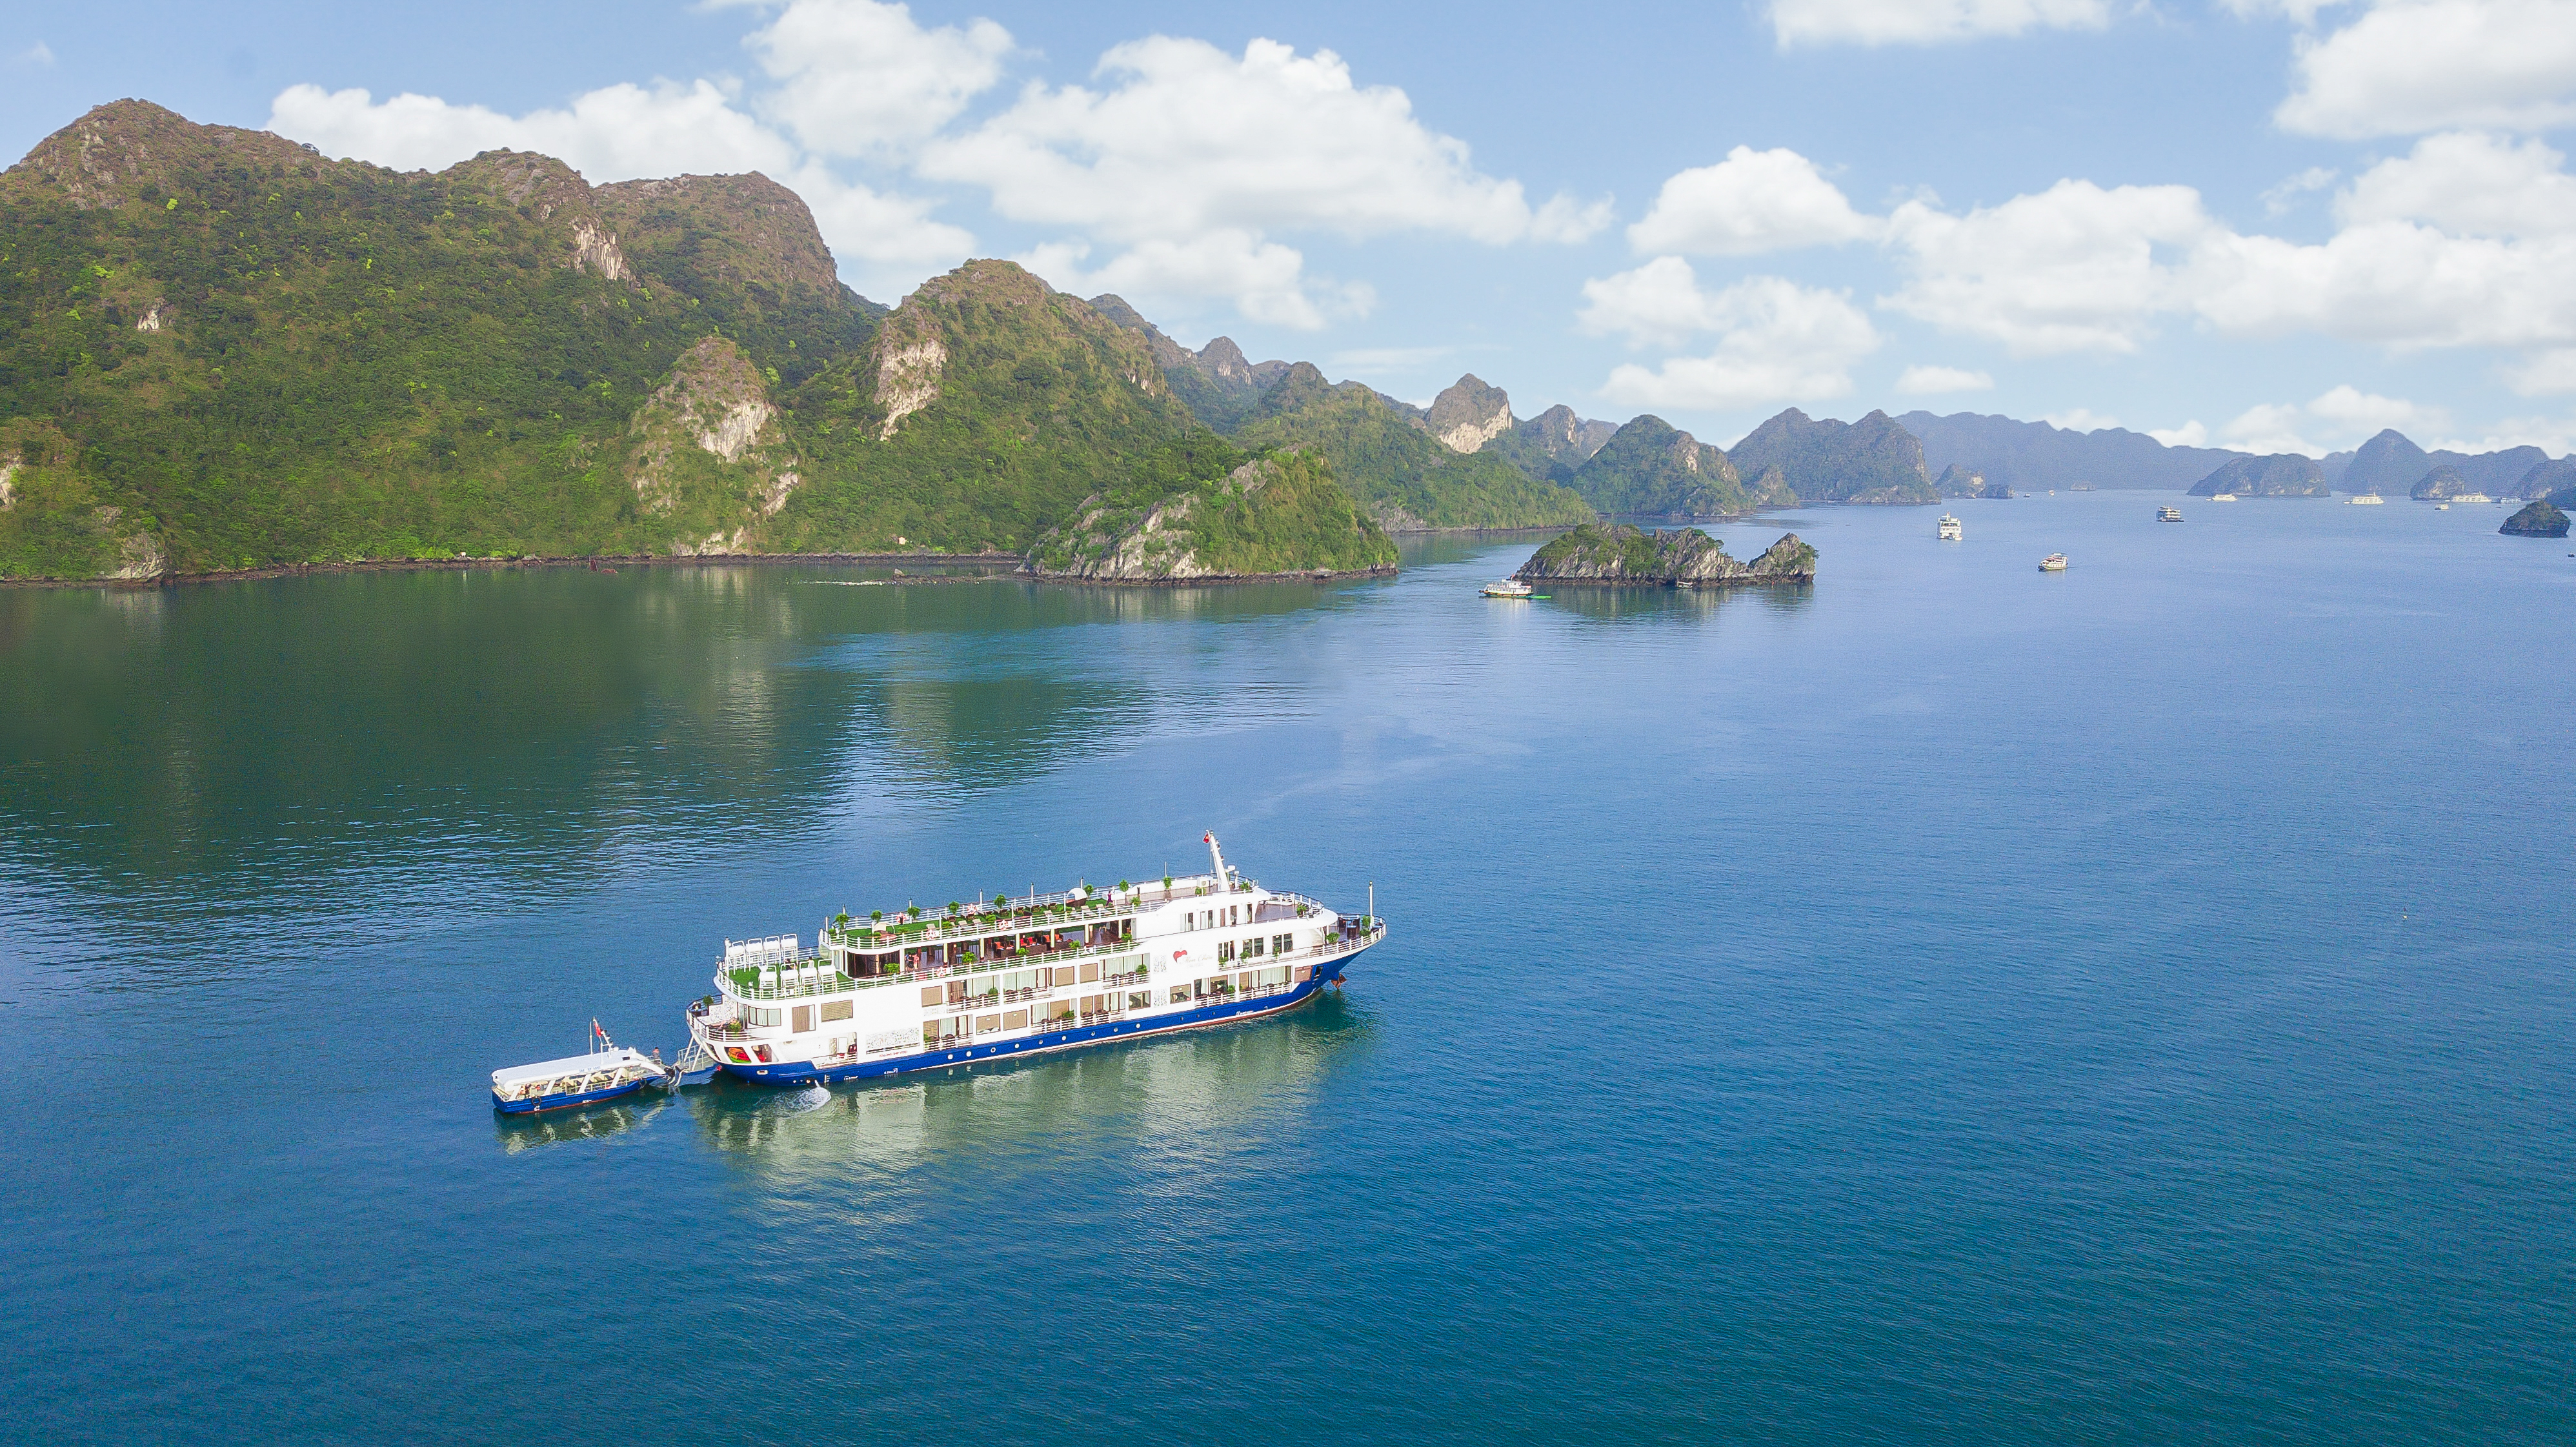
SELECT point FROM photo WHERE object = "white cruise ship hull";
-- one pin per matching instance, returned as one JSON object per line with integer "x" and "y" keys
{"x": 1030, "y": 977}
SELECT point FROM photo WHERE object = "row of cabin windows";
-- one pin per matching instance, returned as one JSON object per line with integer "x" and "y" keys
{"x": 956, "y": 1030}
{"x": 1253, "y": 948}
{"x": 1243, "y": 982}
{"x": 1044, "y": 977}
{"x": 1225, "y": 918}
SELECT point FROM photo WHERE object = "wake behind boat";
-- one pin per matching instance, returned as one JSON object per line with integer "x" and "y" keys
{"x": 1020, "y": 977}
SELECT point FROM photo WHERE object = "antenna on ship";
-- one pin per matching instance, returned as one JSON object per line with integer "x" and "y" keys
{"x": 1216, "y": 857}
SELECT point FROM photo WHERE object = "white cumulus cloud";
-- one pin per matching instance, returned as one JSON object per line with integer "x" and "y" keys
{"x": 1777, "y": 341}
{"x": 615, "y": 133}
{"x": 2469, "y": 240}
{"x": 2335, "y": 419}
{"x": 2189, "y": 434}
{"x": 1188, "y": 151}
{"x": 1935, "y": 381}
{"x": 2550, "y": 371}
{"x": 2074, "y": 268}
{"x": 1753, "y": 201}
{"x": 2404, "y": 66}
{"x": 857, "y": 78}
{"x": 2468, "y": 183}
{"x": 619, "y": 133}
{"x": 1267, "y": 282}
{"x": 1920, "y": 22}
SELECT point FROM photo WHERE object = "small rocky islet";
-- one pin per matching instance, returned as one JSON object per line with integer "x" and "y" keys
{"x": 1619, "y": 555}
{"x": 2541, "y": 519}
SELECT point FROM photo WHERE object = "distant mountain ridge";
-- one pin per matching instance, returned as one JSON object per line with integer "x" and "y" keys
{"x": 2036, "y": 456}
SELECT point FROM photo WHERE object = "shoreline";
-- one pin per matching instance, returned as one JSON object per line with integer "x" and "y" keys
{"x": 462, "y": 565}
{"x": 1313, "y": 575}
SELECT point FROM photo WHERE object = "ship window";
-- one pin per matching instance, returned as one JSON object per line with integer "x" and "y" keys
{"x": 1282, "y": 944}
{"x": 1015, "y": 1020}
{"x": 1252, "y": 947}
{"x": 1140, "y": 1000}
{"x": 838, "y": 1009}
{"x": 1225, "y": 952}
{"x": 1180, "y": 994}
{"x": 987, "y": 1024}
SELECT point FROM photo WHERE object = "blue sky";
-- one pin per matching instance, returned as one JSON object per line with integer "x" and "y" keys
{"x": 2264, "y": 223}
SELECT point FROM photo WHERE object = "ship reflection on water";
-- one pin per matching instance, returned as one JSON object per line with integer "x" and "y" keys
{"x": 589, "y": 1123}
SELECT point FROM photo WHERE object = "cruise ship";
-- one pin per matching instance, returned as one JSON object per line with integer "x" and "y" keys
{"x": 932, "y": 988}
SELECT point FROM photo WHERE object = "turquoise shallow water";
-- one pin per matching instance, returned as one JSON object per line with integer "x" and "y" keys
{"x": 1953, "y": 1004}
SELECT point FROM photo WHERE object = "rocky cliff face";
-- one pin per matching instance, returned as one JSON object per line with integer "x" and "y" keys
{"x": 1619, "y": 555}
{"x": 2548, "y": 480}
{"x": 1874, "y": 460}
{"x": 1957, "y": 481}
{"x": 2285, "y": 474}
{"x": 1651, "y": 468}
{"x": 1550, "y": 446}
{"x": 2441, "y": 484}
{"x": 709, "y": 454}
{"x": 1468, "y": 414}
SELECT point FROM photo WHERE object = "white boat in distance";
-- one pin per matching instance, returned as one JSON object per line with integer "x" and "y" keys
{"x": 2168, "y": 514}
{"x": 1508, "y": 588}
{"x": 2222, "y": 497}
{"x": 1950, "y": 532}
{"x": 931, "y": 989}
{"x": 2367, "y": 499}
{"x": 2053, "y": 563}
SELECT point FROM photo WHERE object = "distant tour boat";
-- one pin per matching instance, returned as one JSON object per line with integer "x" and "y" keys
{"x": 2367, "y": 499}
{"x": 2053, "y": 563}
{"x": 2168, "y": 514}
{"x": 1508, "y": 588}
{"x": 607, "y": 1072}
{"x": 2473, "y": 497}
{"x": 1949, "y": 528}
{"x": 2222, "y": 497}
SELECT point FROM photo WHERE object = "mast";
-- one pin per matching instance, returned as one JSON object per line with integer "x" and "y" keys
{"x": 1216, "y": 859}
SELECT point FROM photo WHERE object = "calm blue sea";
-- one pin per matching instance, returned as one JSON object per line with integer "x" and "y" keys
{"x": 1952, "y": 1004}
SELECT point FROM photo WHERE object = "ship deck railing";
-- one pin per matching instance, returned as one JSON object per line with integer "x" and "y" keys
{"x": 1068, "y": 907}
{"x": 826, "y": 980}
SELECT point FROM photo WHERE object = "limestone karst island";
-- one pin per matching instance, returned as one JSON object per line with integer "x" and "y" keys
{"x": 221, "y": 352}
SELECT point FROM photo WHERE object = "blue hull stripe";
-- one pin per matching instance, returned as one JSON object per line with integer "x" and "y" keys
{"x": 784, "y": 1074}
{"x": 564, "y": 1102}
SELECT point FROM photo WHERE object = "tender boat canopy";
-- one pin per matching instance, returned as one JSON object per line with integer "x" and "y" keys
{"x": 510, "y": 1077}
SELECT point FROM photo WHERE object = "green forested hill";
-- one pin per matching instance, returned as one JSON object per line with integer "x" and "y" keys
{"x": 257, "y": 356}
{"x": 985, "y": 408}
{"x": 1650, "y": 467}
{"x": 1407, "y": 480}
{"x": 1198, "y": 507}
{"x": 219, "y": 350}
